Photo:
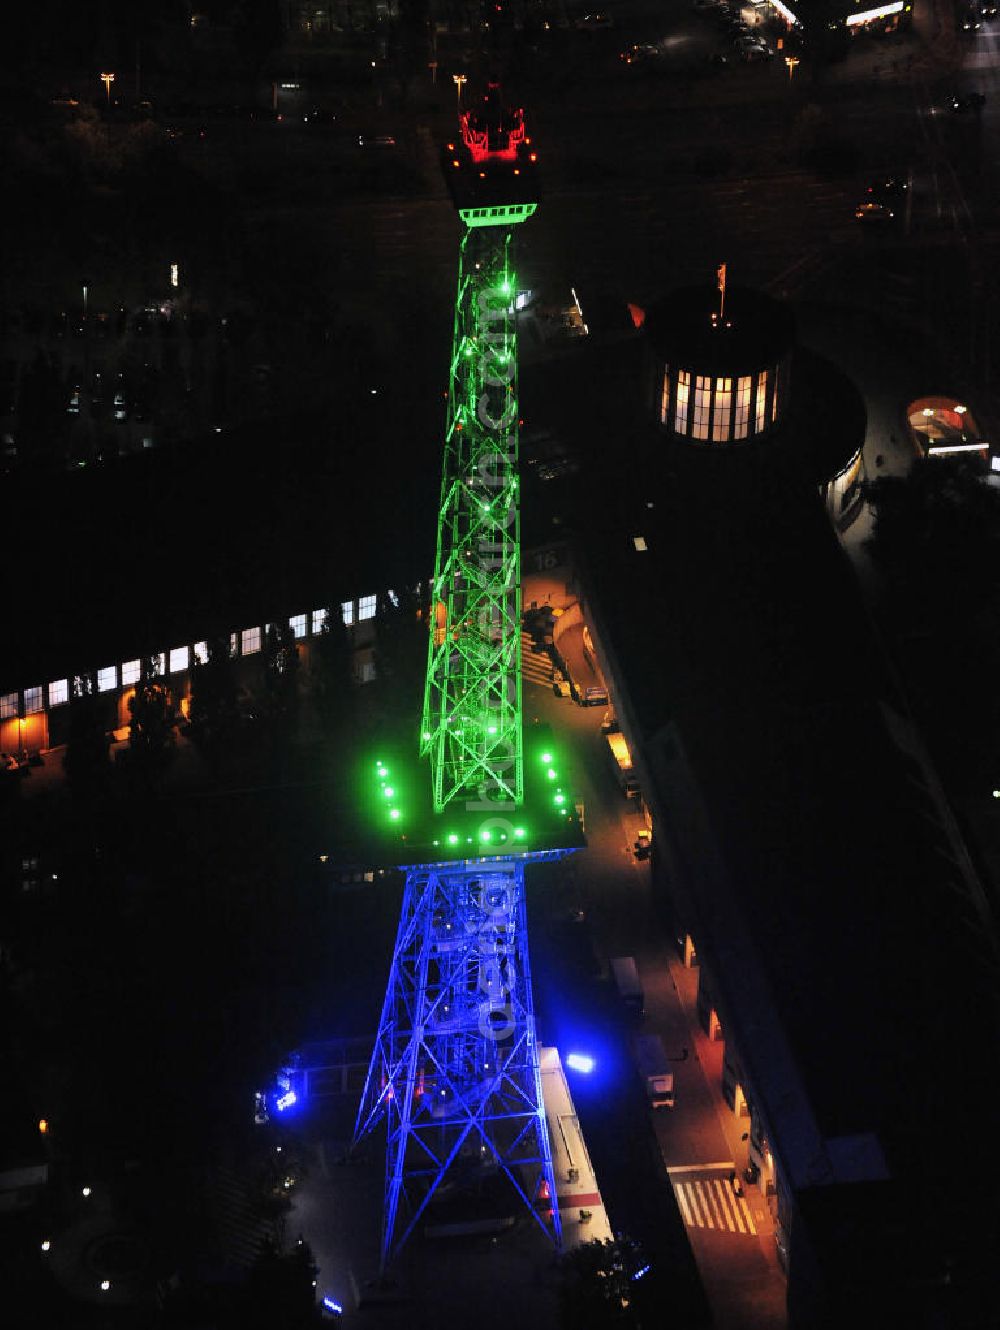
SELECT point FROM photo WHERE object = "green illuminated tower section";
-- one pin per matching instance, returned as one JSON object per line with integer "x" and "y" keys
{"x": 471, "y": 728}
{"x": 455, "y": 1076}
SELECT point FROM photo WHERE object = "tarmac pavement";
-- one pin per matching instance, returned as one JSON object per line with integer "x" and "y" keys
{"x": 732, "y": 1237}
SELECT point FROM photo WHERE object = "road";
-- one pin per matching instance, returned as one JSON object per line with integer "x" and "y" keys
{"x": 699, "y": 1140}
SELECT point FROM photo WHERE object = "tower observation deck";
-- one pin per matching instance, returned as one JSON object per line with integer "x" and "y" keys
{"x": 455, "y": 1070}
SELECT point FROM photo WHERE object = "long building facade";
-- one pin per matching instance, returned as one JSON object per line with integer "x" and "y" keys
{"x": 804, "y": 851}
{"x": 35, "y": 716}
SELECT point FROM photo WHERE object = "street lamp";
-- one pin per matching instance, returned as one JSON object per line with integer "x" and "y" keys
{"x": 458, "y": 80}
{"x": 791, "y": 61}
{"x": 107, "y": 80}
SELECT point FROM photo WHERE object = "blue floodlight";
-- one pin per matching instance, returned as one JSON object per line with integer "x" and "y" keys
{"x": 286, "y": 1100}
{"x": 580, "y": 1062}
{"x": 331, "y": 1306}
{"x": 639, "y": 1273}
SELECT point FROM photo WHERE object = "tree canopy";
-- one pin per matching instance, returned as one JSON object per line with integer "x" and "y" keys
{"x": 603, "y": 1285}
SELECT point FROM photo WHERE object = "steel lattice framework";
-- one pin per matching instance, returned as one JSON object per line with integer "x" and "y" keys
{"x": 455, "y": 1071}
{"x": 455, "y": 1074}
{"x": 472, "y": 698}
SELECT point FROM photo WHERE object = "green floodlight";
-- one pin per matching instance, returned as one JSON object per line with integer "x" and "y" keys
{"x": 546, "y": 758}
{"x": 407, "y": 823}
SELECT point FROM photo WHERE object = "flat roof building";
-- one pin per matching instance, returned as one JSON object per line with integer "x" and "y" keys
{"x": 803, "y": 846}
{"x": 155, "y": 555}
{"x": 854, "y": 16}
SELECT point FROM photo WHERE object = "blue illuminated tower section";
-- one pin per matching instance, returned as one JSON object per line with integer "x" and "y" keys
{"x": 455, "y": 1071}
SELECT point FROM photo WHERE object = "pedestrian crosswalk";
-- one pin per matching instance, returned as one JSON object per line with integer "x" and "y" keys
{"x": 536, "y": 666}
{"x": 710, "y": 1202}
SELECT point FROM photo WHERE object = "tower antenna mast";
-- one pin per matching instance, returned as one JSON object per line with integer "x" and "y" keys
{"x": 455, "y": 1071}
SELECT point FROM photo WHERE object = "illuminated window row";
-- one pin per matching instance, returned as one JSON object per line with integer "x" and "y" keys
{"x": 719, "y": 408}
{"x": 248, "y": 642}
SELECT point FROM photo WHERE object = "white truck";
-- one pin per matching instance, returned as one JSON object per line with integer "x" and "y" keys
{"x": 621, "y": 758}
{"x": 626, "y": 976}
{"x": 655, "y": 1070}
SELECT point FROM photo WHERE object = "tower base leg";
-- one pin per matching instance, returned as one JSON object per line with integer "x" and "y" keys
{"x": 455, "y": 1072}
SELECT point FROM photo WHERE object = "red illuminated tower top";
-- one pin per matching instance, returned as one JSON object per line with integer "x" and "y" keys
{"x": 493, "y": 166}
{"x": 491, "y": 131}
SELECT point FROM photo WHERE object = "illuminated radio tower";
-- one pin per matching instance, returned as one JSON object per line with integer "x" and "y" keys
{"x": 455, "y": 1071}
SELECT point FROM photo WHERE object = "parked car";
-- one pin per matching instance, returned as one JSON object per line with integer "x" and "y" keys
{"x": 640, "y": 52}
{"x": 885, "y": 185}
{"x": 874, "y": 212}
{"x": 751, "y": 48}
{"x": 119, "y": 405}
{"x": 967, "y": 101}
{"x": 97, "y": 394}
{"x": 194, "y": 133}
